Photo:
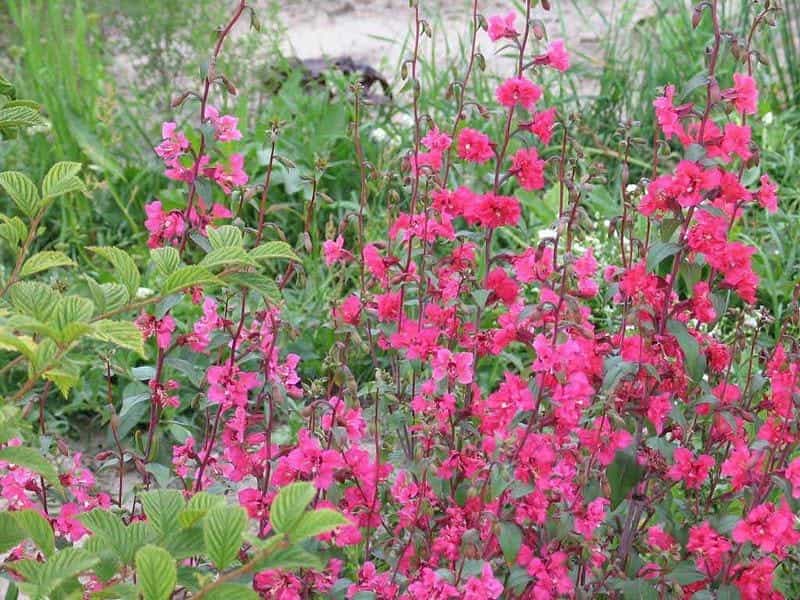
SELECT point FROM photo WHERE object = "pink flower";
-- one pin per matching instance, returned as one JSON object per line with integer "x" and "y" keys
{"x": 658, "y": 538}
{"x": 174, "y": 143}
{"x": 771, "y": 529}
{"x": 518, "y": 91}
{"x": 736, "y": 140}
{"x": 708, "y": 547}
{"x": 743, "y": 95}
{"x": 160, "y": 328}
{"x": 388, "y": 306}
{"x": 692, "y": 471}
{"x": 310, "y": 460}
{"x": 557, "y": 56}
{"x": 502, "y": 286}
{"x": 455, "y": 367}
{"x": 492, "y": 210}
{"x": 542, "y": 124}
{"x": 589, "y": 520}
{"x": 503, "y": 26}
{"x": 229, "y": 385}
{"x": 230, "y": 177}
{"x": 528, "y": 168}
{"x": 767, "y": 194}
{"x": 474, "y": 146}
{"x": 205, "y": 326}
{"x": 702, "y": 306}
{"x": 485, "y": 587}
{"x": 436, "y": 141}
{"x": 334, "y": 251}
{"x": 225, "y": 127}
{"x": 669, "y": 116}
{"x": 792, "y": 473}
{"x": 349, "y": 310}
{"x": 178, "y": 172}
{"x": 164, "y": 227}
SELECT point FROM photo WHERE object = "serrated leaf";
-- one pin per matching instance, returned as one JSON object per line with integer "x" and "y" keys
{"x": 685, "y": 573}
{"x": 510, "y": 541}
{"x": 45, "y": 260}
{"x": 166, "y": 259}
{"x": 232, "y": 591}
{"x": 73, "y": 309}
{"x": 224, "y": 236}
{"x": 197, "y": 508}
{"x": 120, "y": 333}
{"x": 36, "y": 528}
{"x": 260, "y": 283}
{"x": 156, "y": 573}
{"x": 615, "y": 370}
{"x": 17, "y": 343}
{"x": 19, "y": 115}
{"x": 274, "y": 250}
{"x": 32, "y": 460}
{"x": 118, "y": 591}
{"x": 13, "y": 230}
{"x": 62, "y": 179}
{"x": 222, "y": 531}
{"x": 623, "y": 474}
{"x": 162, "y": 508}
{"x": 62, "y": 566}
{"x": 227, "y": 256}
{"x": 124, "y": 267}
{"x": 32, "y": 298}
{"x": 103, "y": 523}
{"x": 185, "y": 543}
{"x": 289, "y": 505}
{"x": 187, "y": 277}
{"x": 694, "y": 359}
{"x": 21, "y": 190}
{"x": 289, "y": 559}
{"x": 66, "y": 376}
{"x": 658, "y": 252}
{"x": 11, "y": 533}
{"x": 316, "y": 523}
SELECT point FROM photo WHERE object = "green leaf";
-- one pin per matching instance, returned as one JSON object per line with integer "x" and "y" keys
{"x": 166, "y": 259}
{"x": 103, "y": 523}
{"x": 232, "y": 591}
{"x": 224, "y": 236}
{"x": 274, "y": 250}
{"x": 22, "y": 191}
{"x": 120, "y": 333}
{"x": 291, "y": 558}
{"x": 33, "y": 461}
{"x": 262, "y": 284}
{"x": 510, "y": 541}
{"x": 694, "y": 359}
{"x": 119, "y": 591}
{"x": 62, "y": 566}
{"x": 316, "y": 523}
{"x": 187, "y": 277}
{"x": 162, "y": 508}
{"x": 685, "y": 573}
{"x": 73, "y": 309}
{"x": 227, "y": 256}
{"x": 289, "y": 505}
{"x": 11, "y": 533}
{"x": 222, "y": 530}
{"x": 615, "y": 370}
{"x": 660, "y": 251}
{"x": 133, "y": 537}
{"x": 33, "y": 298}
{"x": 124, "y": 267}
{"x": 185, "y": 543}
{"x": 20, "y": 116}
{"x": 13, "y": 230}
{"x": 45, "y": 260}
{"x": 623, "y": 474}
{"x": 66, "y": 376}
{"x": 36, "y": 528}
{"x": 198, "y": 507}
{"x": 728, "y": 592}
{"x": 62, "y": 179}
{"x": 155, "y": 573}
{"x": 637, "y": 589}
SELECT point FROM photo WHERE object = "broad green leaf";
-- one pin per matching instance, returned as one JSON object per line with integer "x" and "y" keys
{"x": 33, "y": 461}
{"x": 73, "y": 309}
{"x": 62, "y": 179}
{"x": 289, "y": 505}
{"x": 685, "y": 573}
{"x": 36, "y": 528}
{"x": 162, "y": 508}
{"x": 34, "y": 299}
{"x": 226, "y": 257}
{"x": 615, "y": 370}
{"x": 45, "y": 260}
{"x": 124, "y": 267}
{"x": 19, "y": 116}
{"x": 291, "y": 558}
{"x": 637, "y": 589}
{"x": 119, "y": 591}
{"x": 222, "y": 530}
{"x": 21, "y": 190}
{"x": 315, "y": 523}
{"x": 166, "y": 259}
{"x": 232, "y": 591}
{"x": 660, "y": 251}
{"x": 274, "y": 250}
{"x": 103, "y": 523}
{"x": 694, "y": 359}
{"x": 62, "y": 566}
{"x": 260, "y": 283}
{"x": 11, "y": 533}
{"x": 187, "y": 277}
{"x": 185, "y": 543}
{"x": 156, "y": 574}
{"x": 65, "y": 375}
{"x": 13, "y": 230}
{"x": 623, "y": 474}
{"x": 14, "y": 342}
{"x": 224, "y": 236}
{"x": 197, "y": 508}
{"x": 510, "y": 541}
{"x": 120, "y": 333}
{"x": 728, "y": 592}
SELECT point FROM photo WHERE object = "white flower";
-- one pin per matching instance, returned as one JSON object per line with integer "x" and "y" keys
{"x": 547, "y": 234}
{"x": 378, "y": 135}
{"x": 144, "y": 292}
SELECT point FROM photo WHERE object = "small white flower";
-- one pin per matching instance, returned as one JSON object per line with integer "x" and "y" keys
{"x": 547, "y": 234}
{"x": 631, "y": 188}
{"x": 768, "y": 118}
{"x": 404, "y": 120}
{"x": 750, "y": 322}
{"x": 378, "y": 135}
{"x": 143, "y": 292}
